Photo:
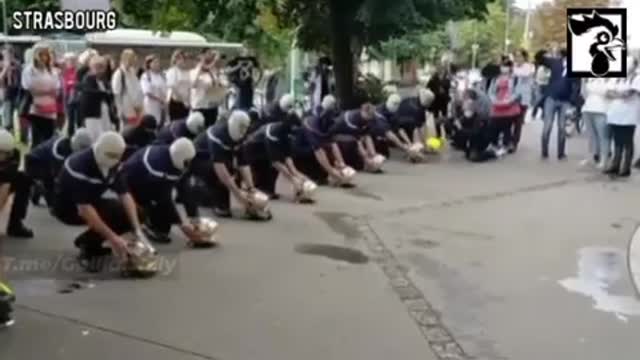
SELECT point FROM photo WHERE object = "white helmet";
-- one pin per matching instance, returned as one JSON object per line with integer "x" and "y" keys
{"x": 426, "y": 97}
{"x": 80, "y": 140}
{"x": 182, "y": 152}
{"x": 108, "y": 150}
{"x": 393, "y": 102}
{"x": 286, "y": 102}
{"x": 329, "y": 102}
{"x": 195, "y": 122}
{"x": 238, "y": 124}
{"x": 7, "y": 142}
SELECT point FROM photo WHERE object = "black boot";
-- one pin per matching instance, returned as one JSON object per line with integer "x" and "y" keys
{"x": 18, "y": 230}
{"x": 156, "y": 236}
{"x": 223, "y": 213}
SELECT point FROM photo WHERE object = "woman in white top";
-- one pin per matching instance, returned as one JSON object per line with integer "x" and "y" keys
{"x": 524, "y": 72}
{"x": 179, "y": 84}
{"x": 622, "y": 116}
{"x": 208, "y": 89}
{"x": 127, "y": 90}
{"x": 154, "y": 87}
{"x": 594, "y": 113}
{"x": 43, "y": 84}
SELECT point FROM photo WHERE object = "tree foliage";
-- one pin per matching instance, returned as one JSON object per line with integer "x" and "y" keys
{"x": 489, "y": 34}
{"x": 549, "y": 23}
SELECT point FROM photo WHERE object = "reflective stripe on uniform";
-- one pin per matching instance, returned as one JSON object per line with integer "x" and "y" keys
{"x": 156, "y": 173}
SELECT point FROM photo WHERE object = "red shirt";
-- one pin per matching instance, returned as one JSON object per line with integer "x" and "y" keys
{"x": 504, "y": 92}
{"x": 68, "y": 81}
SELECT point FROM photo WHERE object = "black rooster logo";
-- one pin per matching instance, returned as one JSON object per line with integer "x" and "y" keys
{"x": 605, "y": 40}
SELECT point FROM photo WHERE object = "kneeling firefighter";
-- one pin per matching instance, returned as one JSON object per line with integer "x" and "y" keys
{"x": 384, "y": 132}
{"x": 78, "y": 200}
{"x": 352, "y": 132}
{"x": 140, "y": 136}
{"x": 412, "y": 117}
{"x": 44, "y": 162}
{"x": 152, "y": 174}
{"x": 218, "y": 157}
{"x": 189, "y": 128}
{"x": 268, "y": 151}
{"x": 314, "y": 149}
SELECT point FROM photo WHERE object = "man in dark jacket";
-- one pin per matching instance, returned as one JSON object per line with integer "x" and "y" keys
{"x": 561, "y": 94}
{"x": 95, "y": 90}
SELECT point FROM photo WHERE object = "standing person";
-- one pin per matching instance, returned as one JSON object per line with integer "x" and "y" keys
{"x": 542, "y": 76}
{"x": 440, "y": 86}
{"x": 42, "y": 82}
{"x": 82, "y": 69}
{"x": 622, "y": 116}
{"x": 594, "y": 113}
{"x": 127, "y": 91}
{"x": 241, "y": 73}
{"x": 69, "y": 83}
{"x": 523, "y": 71}
{"x": 95, "y": 106}
{"x": 560, "y": 96}
{"x": 506, "y": 107}
{"x": 491, "y": 71}
{"x": 179, "y": 84}
{"x": 154, "y": 87}
{"x": 10, "y": 83}
{"x": 321, "y": 81}
{"x": 207, "y": 89}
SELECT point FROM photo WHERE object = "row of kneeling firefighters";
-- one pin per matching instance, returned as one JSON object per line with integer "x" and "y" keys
{"x": 124, "y": 187}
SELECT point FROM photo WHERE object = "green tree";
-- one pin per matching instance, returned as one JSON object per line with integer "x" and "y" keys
{"x": 489, "y": 34}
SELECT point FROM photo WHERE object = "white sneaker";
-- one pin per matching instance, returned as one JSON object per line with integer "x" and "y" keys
{"x": 586, "y": 162}
{"x": 500, "y": 152}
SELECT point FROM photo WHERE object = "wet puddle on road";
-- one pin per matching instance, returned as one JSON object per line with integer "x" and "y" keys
{"x": 603, "y": 276}
{"x": 333, "y": 252}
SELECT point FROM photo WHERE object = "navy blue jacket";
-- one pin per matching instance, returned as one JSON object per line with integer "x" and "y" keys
{"x": 175, "y": 130}
{"x": 216, "y": 145}
{"x": 52, "y": 152}
{"x": 151, "y": 176}
{"x": 560, "y": 86}
{"x": 9, "y": 168}
{"x": 271, "y": 141}
{"x": 81, "y": 182}
{"x": 411, "y": 113}
{"x": 351, "y": 124}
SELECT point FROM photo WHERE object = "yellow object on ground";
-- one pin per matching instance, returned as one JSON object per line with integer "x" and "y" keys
{"x": 434, "y": 144}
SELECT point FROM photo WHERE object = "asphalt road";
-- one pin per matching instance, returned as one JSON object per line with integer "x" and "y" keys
{"x": 518, "y": 259}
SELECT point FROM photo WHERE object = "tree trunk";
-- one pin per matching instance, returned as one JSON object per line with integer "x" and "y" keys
{"x": 343, "y": 63}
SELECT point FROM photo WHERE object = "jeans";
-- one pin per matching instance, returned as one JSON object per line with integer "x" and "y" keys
{"x": 599, "y": 143}
{"x": 8, "y": 109}
{"x": 553, "y": 107}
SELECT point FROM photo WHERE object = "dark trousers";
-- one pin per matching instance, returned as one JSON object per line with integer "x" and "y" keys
{"x": 383, "y": 146}
{"x": 21, "y": 188}
{"x": 177, "y": 110}
{"x": 41, "y": 173}
{"x": 440, "y": 115}
{"x": 350, "y": 154}
{"x": 503, "y": 127}
{"x": 265, "y": 176}
{"x": 210, "y": 115}
{"x": 72, "y": 118}
{"x": 307, "y": 163}
{"x": 245, "y": 98}
{"x": 42, "y": 129}
{"x": 623, "y": 147}
{"x": 157, "y": 210}
{"x": 517, "y": 126}
{"x": 110, "y": 211}
{"x": 220, "y": 194}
